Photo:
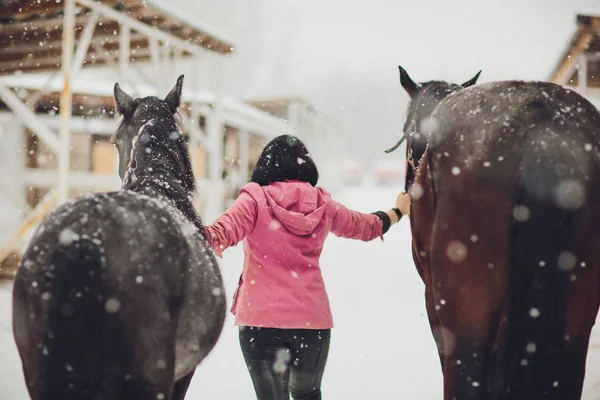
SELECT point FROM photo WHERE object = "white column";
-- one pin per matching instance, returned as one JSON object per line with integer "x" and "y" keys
{"x": 12, "y": 158}
{"x": 195, "y": 84}
{"x": 84, "y": 42}
{"x": 66, "y": 102}
{"x": 124, "y": 50}
{"x": 214, "y": 130}
{"x": 244, "y": 154}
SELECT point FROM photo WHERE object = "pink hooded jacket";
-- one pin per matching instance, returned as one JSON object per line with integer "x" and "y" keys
{"x": 284, "y": 226}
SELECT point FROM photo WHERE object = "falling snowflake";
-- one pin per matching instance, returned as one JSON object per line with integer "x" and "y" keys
{"x": 416, "y": 191}
{"x": 534, "y": 313}
{"x": 274, "y": 225}
{"x": 112, "y": 305}
{"x": 67, "y": 236}
{"x": 282, "y": 360}
{"x": 456, "y": 251}
{"x": 566, "y": 261}
{"x": 569, "y": 194}
{"x": 428, "y": 125}
{"x": 521, "y": 213}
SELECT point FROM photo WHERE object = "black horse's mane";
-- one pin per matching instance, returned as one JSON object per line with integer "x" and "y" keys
{"x": 168, "y": 156}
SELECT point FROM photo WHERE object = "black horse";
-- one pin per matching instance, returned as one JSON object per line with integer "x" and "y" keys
{"x": 118, "y": 295}
{"x": 505, "y": 180}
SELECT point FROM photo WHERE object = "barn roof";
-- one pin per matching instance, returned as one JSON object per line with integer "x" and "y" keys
{"x": 31, "y": 32}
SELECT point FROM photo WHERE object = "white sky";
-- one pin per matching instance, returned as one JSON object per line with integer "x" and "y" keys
{"x": 342, "y": 55}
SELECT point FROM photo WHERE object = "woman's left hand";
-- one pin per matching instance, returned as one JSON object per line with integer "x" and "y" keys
{"x": 403, "y": 203}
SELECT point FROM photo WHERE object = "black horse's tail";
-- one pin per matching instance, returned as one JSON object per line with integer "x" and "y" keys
{"x": 79, "y": 351}
{"x": 546, "y": 220}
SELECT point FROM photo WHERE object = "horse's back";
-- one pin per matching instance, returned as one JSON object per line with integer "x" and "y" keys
{"x": 150, "y": 266}
{"x": 495, "y": 117}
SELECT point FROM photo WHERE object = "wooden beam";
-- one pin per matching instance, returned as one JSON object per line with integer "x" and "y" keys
{"x": 97, "y": 45}
{"x": 141, "y": 27}
{"x": 28, "y": 117}
{"x": 83, "y": 43}
{"x": 46, "y": 178}
{"x": 582, "y": 74}
{"x": 567, "y": 68}
{"x": 93, "y": 58}
{"x": 21, "y": 10}
{"x": 38, "y": 25}
{"x": 106, "y": 29}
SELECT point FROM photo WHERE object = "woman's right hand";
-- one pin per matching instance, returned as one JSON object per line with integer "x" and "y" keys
{"x": 403, "y": 203}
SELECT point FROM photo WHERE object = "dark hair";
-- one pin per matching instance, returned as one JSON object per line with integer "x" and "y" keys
{"x": 285, "y": 158}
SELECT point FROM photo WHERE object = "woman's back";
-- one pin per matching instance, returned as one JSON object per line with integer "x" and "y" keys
{"x": 285, "y": 225}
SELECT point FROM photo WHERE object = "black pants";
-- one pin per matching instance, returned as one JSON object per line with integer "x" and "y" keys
{"x": 281, "y": 361}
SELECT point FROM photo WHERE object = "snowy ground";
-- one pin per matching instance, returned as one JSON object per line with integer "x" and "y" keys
{"x": 381, "y": 344}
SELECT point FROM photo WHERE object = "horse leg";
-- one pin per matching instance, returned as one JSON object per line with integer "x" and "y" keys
{"x": 469, "y": 285}
{"x": 581, "y": 313}
{"x": 140, "y": 389}
{"x": 181, "y": 386}
{"x": 468, "y": 357}
{"x": 151, "y": 362}
{"x": 435, "y": 324}
{"x": 432, "y": 315}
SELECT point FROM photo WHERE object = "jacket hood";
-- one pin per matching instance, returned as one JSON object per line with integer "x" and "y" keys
{"x": 299, "y": 206}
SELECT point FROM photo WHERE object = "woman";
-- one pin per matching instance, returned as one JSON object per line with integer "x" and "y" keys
{"x": 281, "y": 304}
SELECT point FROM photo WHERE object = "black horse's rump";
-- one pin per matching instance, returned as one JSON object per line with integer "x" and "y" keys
{"x": 118, "y": 295}
{"x": 503, "y": 222}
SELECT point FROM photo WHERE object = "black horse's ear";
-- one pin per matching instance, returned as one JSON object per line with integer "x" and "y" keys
{"x": 408, "y": 84}
{"x": 124, "y": 102}
{"x": 173, "y": 99}
{"x": 471, "y": 81}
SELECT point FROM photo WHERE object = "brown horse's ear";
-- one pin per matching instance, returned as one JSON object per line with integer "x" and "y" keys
{"x": 173, "y": 99}
{"x": 472, "y": 81}
{"x": 408, "y": 84}
{"x": 124, "y": 103}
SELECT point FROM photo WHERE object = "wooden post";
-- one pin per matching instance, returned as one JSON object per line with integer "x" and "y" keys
{"x": 66, "y": 102}
{"x": 582, "y": 74}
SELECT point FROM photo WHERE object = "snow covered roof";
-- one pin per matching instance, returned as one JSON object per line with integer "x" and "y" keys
{"x": 31, "y": 32}
{"x": 585, "y": 40}
{"x": 98, "y": 94}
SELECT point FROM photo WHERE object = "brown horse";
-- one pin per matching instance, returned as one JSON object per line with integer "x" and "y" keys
{"x": 505, "y": 180}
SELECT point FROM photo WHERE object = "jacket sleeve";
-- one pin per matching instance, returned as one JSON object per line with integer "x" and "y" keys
{"x": 355, "y": 225}
{"x": 233, "y": 226}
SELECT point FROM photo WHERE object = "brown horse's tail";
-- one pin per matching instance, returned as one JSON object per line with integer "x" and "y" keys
{"x": 529, "y": 358}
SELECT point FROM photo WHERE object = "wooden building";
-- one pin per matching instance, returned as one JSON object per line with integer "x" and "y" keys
{"x": 58, "y": 64}
{"x": 579, "y": 65}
